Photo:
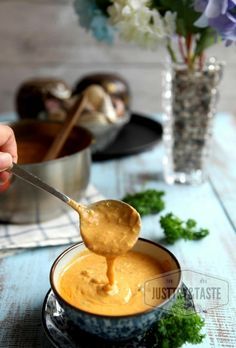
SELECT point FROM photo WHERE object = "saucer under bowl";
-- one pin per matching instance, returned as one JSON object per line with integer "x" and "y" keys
{"x": 63, "y": 336}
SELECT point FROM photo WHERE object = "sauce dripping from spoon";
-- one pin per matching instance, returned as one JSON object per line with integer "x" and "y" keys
{"x": 109, "y": 228}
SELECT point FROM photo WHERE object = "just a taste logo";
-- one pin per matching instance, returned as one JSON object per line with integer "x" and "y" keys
{"x": 205, "y": 291}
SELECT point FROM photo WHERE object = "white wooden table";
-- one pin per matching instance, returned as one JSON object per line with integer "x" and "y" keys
{"x": 24, "y": 277}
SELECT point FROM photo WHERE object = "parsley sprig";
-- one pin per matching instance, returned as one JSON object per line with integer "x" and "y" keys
{"x": 146, "y": 202}
{"x": 174, "y": 229}
{"x": 178, "y": 326}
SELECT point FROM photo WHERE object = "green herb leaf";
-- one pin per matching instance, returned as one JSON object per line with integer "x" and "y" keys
{"x": 174, "y": 229}
{"x": 179, "y": 326}
{"x": 146, "y": 202}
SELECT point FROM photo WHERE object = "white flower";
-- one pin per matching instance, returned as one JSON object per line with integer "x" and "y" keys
{"x": 138, "y": 23}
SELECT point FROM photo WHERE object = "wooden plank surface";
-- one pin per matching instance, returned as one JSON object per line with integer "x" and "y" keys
{"x": 223, "y": 172}
{"x": 24, "y": 283}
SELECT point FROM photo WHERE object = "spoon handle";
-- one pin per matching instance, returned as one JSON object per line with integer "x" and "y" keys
{"x": 34, "y": 180}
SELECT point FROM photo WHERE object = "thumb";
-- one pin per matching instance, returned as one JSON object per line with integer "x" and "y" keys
{"x": 5, "y": 161}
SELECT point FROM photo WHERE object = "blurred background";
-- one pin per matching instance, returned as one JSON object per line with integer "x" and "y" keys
{"x": 43, "y": 38}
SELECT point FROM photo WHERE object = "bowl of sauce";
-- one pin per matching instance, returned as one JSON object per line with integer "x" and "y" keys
{"x": 145, "y": 280}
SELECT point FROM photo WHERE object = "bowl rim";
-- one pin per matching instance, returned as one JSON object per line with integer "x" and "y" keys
{"x": 74, "y": 246}
{"x": 28, "y": 121}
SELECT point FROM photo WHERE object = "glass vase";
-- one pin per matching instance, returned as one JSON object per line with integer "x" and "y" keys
{"x": 189, "y": 100}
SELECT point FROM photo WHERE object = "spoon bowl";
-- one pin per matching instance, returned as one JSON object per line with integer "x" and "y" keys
{"x": 109, "y": 227}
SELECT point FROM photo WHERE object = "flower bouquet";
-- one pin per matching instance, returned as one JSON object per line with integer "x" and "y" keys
{"x": 186, "y": 28}
{"x": 195, "y": 24}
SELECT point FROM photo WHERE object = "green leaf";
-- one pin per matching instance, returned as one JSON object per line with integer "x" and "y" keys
{"x": 146, "y": 202}
{"x": 208, "y": 37}
{"x": 174, "y": 229}
{"x": 181, "y": 27}
{"x": 191, "y": 223}
{"x": 178, "y": 326}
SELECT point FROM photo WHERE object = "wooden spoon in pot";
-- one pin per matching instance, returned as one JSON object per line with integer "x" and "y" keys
{"x": 66, "y": 128}
{"x": 93, "y": 98}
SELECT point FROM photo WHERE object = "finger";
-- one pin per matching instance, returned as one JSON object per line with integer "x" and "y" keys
{"x": 5, "y": 161}
{"x": 8, "y": 141}
{"x": 4, "y": 177}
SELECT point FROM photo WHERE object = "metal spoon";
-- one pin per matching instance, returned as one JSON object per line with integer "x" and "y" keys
{"x": 116, "y": 214}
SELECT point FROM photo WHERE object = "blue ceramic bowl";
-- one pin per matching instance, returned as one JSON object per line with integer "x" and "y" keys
{"x": 127, "y": 326}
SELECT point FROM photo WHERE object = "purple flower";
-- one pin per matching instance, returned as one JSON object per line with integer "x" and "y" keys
{"x": 218, "y": 14}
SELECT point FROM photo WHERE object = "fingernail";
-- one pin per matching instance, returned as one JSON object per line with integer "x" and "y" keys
{"x": 5, "y": 161}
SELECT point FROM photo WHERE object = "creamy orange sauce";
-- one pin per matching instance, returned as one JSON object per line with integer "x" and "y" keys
{"x": 109, "y": 228}
{"x": 83, "y": 283}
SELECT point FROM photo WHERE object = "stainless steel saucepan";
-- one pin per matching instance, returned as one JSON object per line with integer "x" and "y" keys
{"x": 20, "y": 202}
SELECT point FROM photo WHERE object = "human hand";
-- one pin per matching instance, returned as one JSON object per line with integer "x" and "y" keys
{"x": 8, "y": 151}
